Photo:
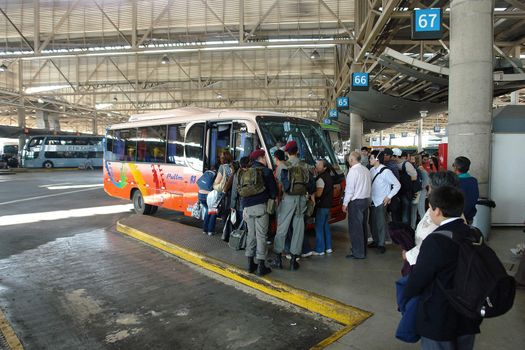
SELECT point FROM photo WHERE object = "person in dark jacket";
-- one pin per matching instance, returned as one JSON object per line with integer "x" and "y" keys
{"x": 256, "y": 216}
{"x": 438, "y": 323}
{"x": 469, "y": 186}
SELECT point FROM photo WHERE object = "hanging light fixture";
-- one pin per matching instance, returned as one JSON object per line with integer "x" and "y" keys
{"x": 3, "y": 68}
{"x": 315, "y": 55}
{"x": 165, "y": 59}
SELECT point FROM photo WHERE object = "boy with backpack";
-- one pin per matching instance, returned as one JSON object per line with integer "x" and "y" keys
{"x": 438, "y": 323}
{"x": 256, "y": 185}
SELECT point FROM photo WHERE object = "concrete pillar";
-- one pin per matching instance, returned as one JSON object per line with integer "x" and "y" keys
{"x": 381, "y": 138}
{"x": 42, "y": 120}
{"x": 356, "y": 131}
{"x": 471, "y": 86}
{"x": 21, "y": 111}
{"x": 356, "y": 121}
{"x": 420, "y": 131}
{"x": 514, "y": 98}
{"x": 94, "y": 124}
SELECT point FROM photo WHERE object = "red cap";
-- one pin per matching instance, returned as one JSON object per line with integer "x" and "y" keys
{"x": 290, "y": 145}
{"x": 256, "y": 154}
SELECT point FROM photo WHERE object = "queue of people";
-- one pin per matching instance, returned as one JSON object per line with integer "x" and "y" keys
{"x": 390, "y": 186}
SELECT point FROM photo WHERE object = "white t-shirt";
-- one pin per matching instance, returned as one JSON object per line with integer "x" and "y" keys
{"x": 425, "y": 227}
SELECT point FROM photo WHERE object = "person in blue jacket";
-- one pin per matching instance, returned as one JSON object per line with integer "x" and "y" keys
{"x": 469, "y": 186}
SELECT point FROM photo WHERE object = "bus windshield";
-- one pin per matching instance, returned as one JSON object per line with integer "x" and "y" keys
{"x": 309, "y": 137}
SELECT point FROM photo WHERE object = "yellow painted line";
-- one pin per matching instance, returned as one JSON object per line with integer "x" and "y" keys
{"x": 9, "y": 334}
{"x": 347, "y": 315}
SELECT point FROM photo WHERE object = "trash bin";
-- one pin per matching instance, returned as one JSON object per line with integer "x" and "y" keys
{"x": 482, "y": 218}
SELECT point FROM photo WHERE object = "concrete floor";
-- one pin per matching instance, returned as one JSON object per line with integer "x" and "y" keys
{"x": 73, "y": 283}
{"x": 366, "y": 284}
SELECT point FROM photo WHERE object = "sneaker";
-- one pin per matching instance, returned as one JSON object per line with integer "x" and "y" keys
{"x": 306, "y": 255}
{"x": 329, "y": 251}
{"x": 288, "y": 256}
{"x": 317, "y": 254}
{"x": 211, "y": 233}
{"x": 204, "y": 232}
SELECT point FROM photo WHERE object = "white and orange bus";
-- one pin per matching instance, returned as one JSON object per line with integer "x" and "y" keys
{"x": 155, "y": 159}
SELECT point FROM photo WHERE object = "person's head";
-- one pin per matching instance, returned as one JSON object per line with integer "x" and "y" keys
{"x": 388, "y": 154}
{"x": 415, "y": 159}
{"x": 396, "y": 153}
{"x": 404, "y": 155}
{"x": 443, "y": 178}
{"x": 244, "y": 162}
{"x": 278, "y": 156}
{"x": 425, "y": 158}
{"x": 291, "y": 148}
{"x": 377, "y": 158}
{"x": 354, "y": 158}
{"x": 321, "y": 165}
{"x": 225, "y": 157}
{"x": 259, "y": 155}
{"x": 365, "y": 151}
{"x": 461, "y": 165}
{"x": 445, "y": 202}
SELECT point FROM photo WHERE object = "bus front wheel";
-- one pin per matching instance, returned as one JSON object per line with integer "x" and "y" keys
{"x": 47, "y": 164}
{"x": 139, "y": 205}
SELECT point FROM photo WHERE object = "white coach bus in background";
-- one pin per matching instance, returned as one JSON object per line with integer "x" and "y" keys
{"x": 63, "y": 151}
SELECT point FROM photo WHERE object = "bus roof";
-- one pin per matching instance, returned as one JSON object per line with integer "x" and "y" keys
{"x": 189, "y": 114}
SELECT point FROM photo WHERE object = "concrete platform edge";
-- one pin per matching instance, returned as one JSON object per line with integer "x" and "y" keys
{"x": 9, "y": 334}
{"x": 347, "y": 315}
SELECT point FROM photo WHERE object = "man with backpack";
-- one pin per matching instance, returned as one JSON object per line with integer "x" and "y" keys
{"x": 256, "y": 185}
{"x": 294, "y": 180}
{"x": 410, "y": 184}
{"x": 440, "y": 325}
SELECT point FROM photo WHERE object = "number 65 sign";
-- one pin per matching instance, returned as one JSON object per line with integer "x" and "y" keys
{"x": 426, "y": 24}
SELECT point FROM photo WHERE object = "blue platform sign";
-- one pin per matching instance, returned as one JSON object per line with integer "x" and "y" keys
{"x": 342, "y": 103}
{"x": 332, "y": 113}
{"x": 327, "y": 121}
{"x": 360, "y": 81}
{"x": 426, "y": 24}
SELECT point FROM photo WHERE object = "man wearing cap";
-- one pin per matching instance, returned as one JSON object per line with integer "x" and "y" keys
{"x": 256, "y": 216}
{"x": 356, "y": 203}
{"x": 290, "y": 211}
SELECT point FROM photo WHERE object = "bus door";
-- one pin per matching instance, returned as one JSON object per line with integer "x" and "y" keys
{"x": 219, "y": 137}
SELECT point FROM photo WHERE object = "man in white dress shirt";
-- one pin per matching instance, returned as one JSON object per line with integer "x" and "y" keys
{"x": 355, "y": 203}
{"x": 384, "y": 186}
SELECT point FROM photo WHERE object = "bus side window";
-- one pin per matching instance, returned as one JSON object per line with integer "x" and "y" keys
{"x": 176, "y": 144}
{"x": 125, "y": 146}
{"x": 151, "y": 144}
{"x": 193, "y": 146}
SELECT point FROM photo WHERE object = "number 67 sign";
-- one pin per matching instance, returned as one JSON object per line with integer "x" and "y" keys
{"x": 426, "y": 24}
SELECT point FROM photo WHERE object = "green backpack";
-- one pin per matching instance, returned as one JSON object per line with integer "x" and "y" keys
{"x": 297, "y": 179}
{"x": 251, "y": 182}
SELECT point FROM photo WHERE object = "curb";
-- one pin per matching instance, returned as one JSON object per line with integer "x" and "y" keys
{"x": 348, "y": 316}
{"x": 9, "y": 334}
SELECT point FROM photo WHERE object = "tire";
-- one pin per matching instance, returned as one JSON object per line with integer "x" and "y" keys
{"x": 48, "y": 164}
{"x": 139, "y": 205}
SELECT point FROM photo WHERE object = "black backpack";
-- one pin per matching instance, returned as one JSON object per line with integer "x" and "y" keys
{"x": 409, "y": 187}
{"x": 481, "y": 286}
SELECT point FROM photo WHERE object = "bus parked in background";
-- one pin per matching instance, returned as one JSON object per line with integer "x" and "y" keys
{"x": 63, "y": 151}
{"x": 155, "y": 159}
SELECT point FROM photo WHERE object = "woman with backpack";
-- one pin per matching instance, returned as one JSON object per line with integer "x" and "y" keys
{"x": 223, "y": 182}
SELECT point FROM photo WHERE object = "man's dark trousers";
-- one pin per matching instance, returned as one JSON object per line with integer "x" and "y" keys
{"x": 358, "y": 226}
